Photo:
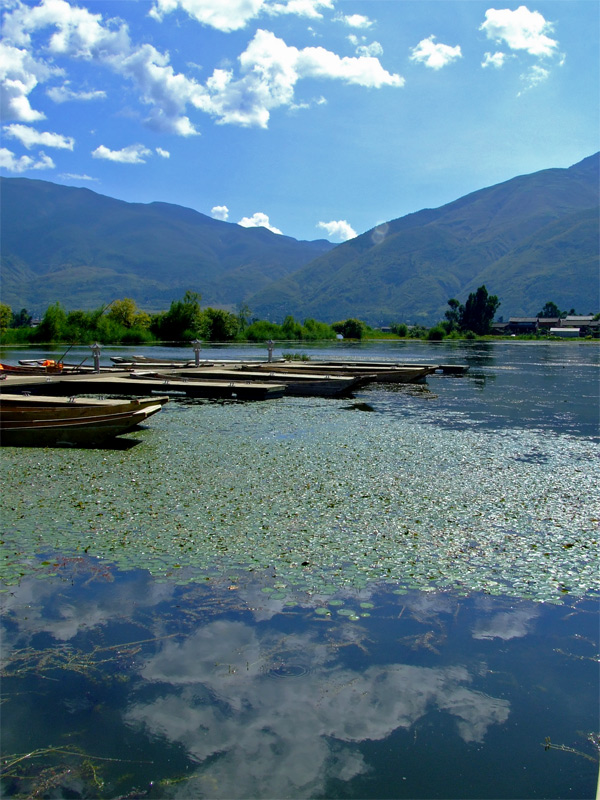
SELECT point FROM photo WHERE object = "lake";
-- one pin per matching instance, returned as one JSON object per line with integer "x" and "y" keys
{"x": 393, "y": 595}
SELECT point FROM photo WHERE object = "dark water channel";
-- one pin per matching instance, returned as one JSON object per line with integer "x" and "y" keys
{"x": 393, "y": 595}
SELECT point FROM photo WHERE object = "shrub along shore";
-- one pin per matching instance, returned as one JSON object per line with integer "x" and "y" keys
{"x": 122, "y": 322}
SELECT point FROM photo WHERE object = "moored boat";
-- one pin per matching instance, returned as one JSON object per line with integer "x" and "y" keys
{"x": 38, "y": 421}
{"x": 391, "y": 373}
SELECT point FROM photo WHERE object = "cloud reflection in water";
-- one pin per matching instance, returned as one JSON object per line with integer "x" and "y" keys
{"x": 274, "y": 737}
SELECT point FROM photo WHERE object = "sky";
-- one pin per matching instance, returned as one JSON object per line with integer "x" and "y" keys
{"x": 314, "y": 118}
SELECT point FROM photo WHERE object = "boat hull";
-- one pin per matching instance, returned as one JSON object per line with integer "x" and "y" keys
{"x": 44, "y": 422}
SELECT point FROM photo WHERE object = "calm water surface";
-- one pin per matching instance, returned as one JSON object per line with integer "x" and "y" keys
{"x": 393, "y": 595}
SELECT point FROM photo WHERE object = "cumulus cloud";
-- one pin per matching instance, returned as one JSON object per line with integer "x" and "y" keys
{"x": 133, "y": 154}
{"x": 434, "y": 55}
{"x": 258, "y": 220}
{"x": 270, "y": 70}
{"x": 373, "y": 49}
{"x": 355, "y": 20}
{"x": 220, "y": 212}
{"x": 64, "y": 94}
{"x": 496, "y": 60}
{"x": 20, "y": 73}
{"x": 78, "y": 34}
{"x": 10, "y": 162}
{"x": 233, "y": 15}
{"x": 162, "y": 153}
{"x": 520, "y": 30}
{"x": 338, "y": 229}
{"x": 30, "y": 137}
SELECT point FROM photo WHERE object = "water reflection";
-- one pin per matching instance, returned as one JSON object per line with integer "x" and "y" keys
{"x": 204, "y": 694}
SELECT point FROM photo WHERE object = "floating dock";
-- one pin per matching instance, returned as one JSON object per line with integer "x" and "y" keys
{"x": 122, "y": 383}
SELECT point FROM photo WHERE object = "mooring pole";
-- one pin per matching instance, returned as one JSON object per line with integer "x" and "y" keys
{"x": 96, "y": 348}
{"x": 197, "y": 345}
{"x": 270, "y": 346}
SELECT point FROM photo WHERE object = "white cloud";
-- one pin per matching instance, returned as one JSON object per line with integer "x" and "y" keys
{"x": 70, "y": 176}
{"x": 64, "y": 94}
{"x": 338, "y": 229}
{"x": 496, "y": 60}
{"x": 29, "y": 137}
{"x": 9, "y": 161}
{"x": 224, "y": 15}
{"x": 520, "y": 30}
{"x": 355, "y": 20}
{"x": 433, "y": 55}
{"x": 533, "y": 77}
{"x": 270, "y": 70}
{"x": 133, "y": 154}
{"x": 373, "y": 49}
{"x": 301, "y": 8}
{"x": 233, "y": 15}
{"x": 162, "y": 153}
{"x": 258, "y": 220}
{"x": 220, "y": 212}
{"x": 20, "y": 73}
{"x": 78, "y": 34}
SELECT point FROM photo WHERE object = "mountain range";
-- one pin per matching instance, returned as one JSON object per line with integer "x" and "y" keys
{"x": 530, "y": 240}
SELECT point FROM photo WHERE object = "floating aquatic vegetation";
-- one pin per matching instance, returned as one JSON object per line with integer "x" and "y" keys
{"x": 322, "y": 499}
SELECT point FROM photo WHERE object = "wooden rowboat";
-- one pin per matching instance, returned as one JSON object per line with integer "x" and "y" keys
{"x": 36, "y": 421}
{"x": 383, "y": 374}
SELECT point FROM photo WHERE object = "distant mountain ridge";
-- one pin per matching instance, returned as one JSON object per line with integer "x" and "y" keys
{"x": 531, "y": 239}
{"x": 84, "y": 249}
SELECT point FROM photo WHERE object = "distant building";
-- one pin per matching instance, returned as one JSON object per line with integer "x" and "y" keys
{"x": 570, "y": 326}
{"x": 522, "y": 324}
{"x": 565, "y": 333}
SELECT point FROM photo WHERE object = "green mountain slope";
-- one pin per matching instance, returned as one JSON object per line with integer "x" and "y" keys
{"x": 530, "y": 239}
{"x": 84, "y": 249}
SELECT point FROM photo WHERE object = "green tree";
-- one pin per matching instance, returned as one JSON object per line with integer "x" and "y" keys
{"x": 452, "y": 315}
{"x": 244, "y": 316}
{"x": 317, "y": 331}
{"x": 6, "y": 316}
{"x": 478, "y": 312}
{"x": 550, "y": 310}
{"x": 53, "y": 327}
{"x": 262, "y": 331}
{"x": 350, "y": 328}
{"x": 123, "y": 312}
{"x": 21, "y": 319}
{"x": 181, "y": 322}
{"x": 217, "y": 325}
{"x": 400, "y": 329}
{"x": 291, "y": 330}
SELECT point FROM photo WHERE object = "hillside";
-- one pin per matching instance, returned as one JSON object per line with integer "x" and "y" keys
{"x": 530, "y": 239}
{"x": 84, "y": 249}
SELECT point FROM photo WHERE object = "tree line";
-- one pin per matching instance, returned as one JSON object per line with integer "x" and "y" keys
{"x": 122, "y": 322}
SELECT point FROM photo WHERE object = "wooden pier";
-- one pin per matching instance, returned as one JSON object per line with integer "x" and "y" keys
{"x": 122, "y": 383}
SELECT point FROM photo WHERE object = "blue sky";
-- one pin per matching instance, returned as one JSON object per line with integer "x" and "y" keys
{"x": 316, "y": 118}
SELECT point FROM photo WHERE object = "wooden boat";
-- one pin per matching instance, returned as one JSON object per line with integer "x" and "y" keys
{"x": 51, "y": 367}
{"x": 134, "y": 361}
{"x": 39, "y": 421}
{"x": 296, "y": 384}
{"x": 390, "y": 373}
{"x": 447, "y": 369}
{"x": 48, "y": 367}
